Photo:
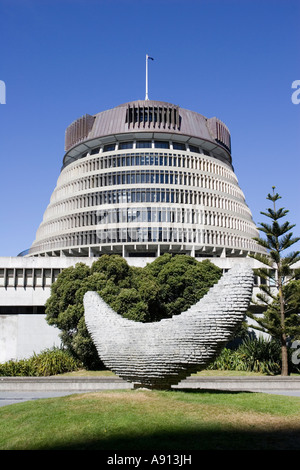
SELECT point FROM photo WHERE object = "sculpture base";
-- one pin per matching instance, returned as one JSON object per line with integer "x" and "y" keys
{"x": 137, "y": 386}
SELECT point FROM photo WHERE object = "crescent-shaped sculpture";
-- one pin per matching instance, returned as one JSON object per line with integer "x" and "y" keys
{"x": 161, "y": 354}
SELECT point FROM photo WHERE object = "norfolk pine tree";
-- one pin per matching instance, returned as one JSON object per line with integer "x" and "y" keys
{"x": 276, "y": 275}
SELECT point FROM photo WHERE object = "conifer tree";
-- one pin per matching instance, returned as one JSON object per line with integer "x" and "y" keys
{"x": 278, "y": 320}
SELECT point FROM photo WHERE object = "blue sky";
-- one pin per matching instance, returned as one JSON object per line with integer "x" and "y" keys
{"x": 234, "y": 59}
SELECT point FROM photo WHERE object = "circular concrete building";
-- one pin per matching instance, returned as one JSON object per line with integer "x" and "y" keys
{"x": 145, "y": 178}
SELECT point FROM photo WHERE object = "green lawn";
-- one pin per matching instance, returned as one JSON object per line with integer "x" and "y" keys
{"x": 153, "y": 420}
{"x": 210, "y": 373}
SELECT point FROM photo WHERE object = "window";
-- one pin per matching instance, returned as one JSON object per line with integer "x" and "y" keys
{"x": 178, "y": 146}
{"x": 144, "y": 144}
{"x": 2, "y": 277}
{"x": 161, "y": 144}
{"x": 194, "y": 149}
{"x": 109, "y": 148}
{"x": 125, "y": 145}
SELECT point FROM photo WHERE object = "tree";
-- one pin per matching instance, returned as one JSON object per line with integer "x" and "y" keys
{"x": 166, "y": 287}
{"x": 182, "y": 281}
{"x": 111, "y": 277}
{"x": 279, "y": 319}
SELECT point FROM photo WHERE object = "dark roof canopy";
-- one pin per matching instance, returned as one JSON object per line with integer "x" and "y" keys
{"x": 141, "y": 116}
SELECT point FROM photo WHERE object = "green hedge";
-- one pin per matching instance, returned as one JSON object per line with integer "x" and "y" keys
{"x": 48, "y": 362}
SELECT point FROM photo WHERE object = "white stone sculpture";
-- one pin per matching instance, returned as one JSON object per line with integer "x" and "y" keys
{"x": 161, "y": 354}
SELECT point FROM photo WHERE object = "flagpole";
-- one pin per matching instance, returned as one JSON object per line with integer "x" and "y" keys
{"x": 146, "y": 97}
{"x": 147, "y": 57}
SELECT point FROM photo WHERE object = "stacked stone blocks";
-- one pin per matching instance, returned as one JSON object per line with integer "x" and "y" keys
{"x": 161, "y": 354}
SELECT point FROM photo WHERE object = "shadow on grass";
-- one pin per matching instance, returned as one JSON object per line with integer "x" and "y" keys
{"x": 210, "y": 390}
{"x": 197, "y": 440}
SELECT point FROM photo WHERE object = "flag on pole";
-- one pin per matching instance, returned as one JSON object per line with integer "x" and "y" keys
{"x": 147, "y": 57}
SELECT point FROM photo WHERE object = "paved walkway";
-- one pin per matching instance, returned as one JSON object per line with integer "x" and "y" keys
{"x": 19, "y": 389}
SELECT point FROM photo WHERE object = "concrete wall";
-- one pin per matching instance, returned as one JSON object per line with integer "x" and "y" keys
{"x": 23, "y": 335}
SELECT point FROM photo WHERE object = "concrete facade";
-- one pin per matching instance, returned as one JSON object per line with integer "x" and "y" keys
{"x": 23, "y": 335}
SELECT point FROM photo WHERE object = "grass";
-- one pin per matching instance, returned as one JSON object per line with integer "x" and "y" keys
{"x": 136, "y": 420}
{"x": 206, "y": 373}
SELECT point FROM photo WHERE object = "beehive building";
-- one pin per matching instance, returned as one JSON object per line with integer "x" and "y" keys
{"x": 139, "y": 180}
{"x": 145, "y": 178}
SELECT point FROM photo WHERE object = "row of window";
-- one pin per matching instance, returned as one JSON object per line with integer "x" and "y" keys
{"x": 151, "y": 159}
{"x": 147, "y": 235}
{"x": 37, "y": 277}
{"x": 141, "y": 177}
{"x": 156, "y": 195}
{"x": 27, "y": 277}
{"x": 157, "y": 144}
{"x": 147, "y": 214}
{"x": 142, "y": 144}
